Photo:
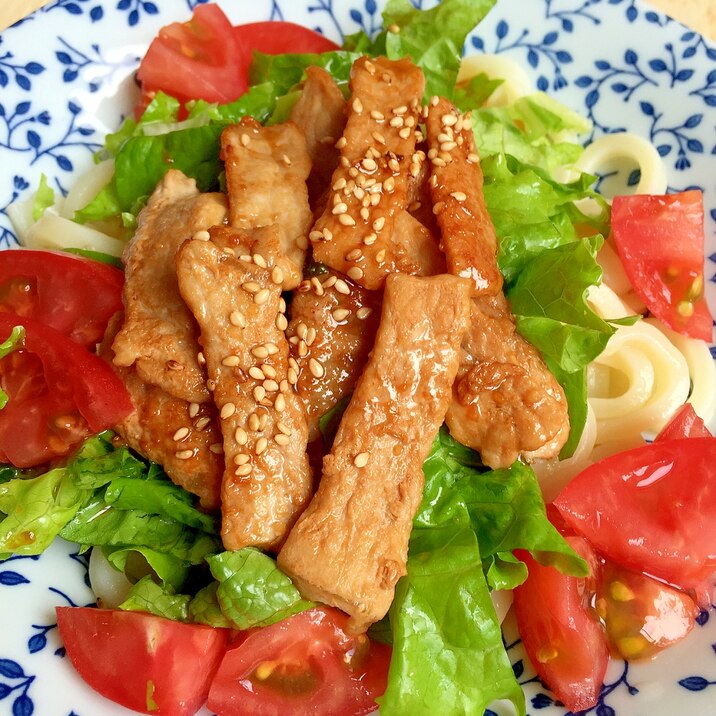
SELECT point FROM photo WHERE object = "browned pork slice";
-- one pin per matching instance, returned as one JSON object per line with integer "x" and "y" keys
{"x": 238, "y": 305}
{"x": 320, "y": 113}
{"x": 468, "y": 235}
{"x": 184, "y": 438}
{"x": 354, "y": 235}
{"x": 349, "y": 548}
{"x": 266, "y": 171}
{"x": 159, "y": 335}
{"x": 331, "y": 332}
{"x": 506, "y": 402}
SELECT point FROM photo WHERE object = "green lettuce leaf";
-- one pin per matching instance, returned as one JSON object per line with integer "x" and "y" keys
{"x": 97, "y": 256}
{"x": 97, "y": 463}
{"x": 433, "y": 38}
{"x": 204, "y": 607}
{"x": 252, "y": 590}
{"x": 448, "y": 655}
{"x": 12, "y": 343}
{"x": 44, "y": 198}
{"x": 136, "y": 561}
{"x": 148, "y": 596}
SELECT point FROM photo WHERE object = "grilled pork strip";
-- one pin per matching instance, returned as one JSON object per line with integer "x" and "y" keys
{"x": 266, "y": 171}
{"x": 159, "y": 334}
{"x": 349, "y": 548}
{"x": 239, "y": 308}
{"x": 369, "y": 189}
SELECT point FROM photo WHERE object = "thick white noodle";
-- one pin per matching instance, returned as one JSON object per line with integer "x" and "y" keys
{"x": 624, "y": 145}
{"x": 56, "y": 232}
{"x": 110, "y": 586}
{"x": 515, "y": 83}
{"x": 20, "y": 214}
{"x": 86, "y": 187}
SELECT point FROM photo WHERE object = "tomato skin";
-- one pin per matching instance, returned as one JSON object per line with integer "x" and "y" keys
{"x": 74, "y": 295}
{"x": 199, "y": 59}
{"x": 685, "y": 424}
{"x": 660, "y": 240}
{"x": 651, "y": 509}
{"x": 642, "y": 616}
{"x": 58, "y": 394}
{"x": 560, "y": 631}
{"x": 135, "y": 659}
{"x": 280, "y": 37}
{"x": 303, "y": 660}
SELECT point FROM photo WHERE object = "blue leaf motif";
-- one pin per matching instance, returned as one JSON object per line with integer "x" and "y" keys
{"x": 518, "y": 668}
{"x": 583, "y": 81}
{"x": 693, "y": 121}
{"x": 34, "y": 68}
{"x": 703, "y": 616}
{"x": 567, "y": 25}
{"x": 652, "y": 17}
{"x": 688, "y": 52}
{"x": 22, "y": 108}
{"x": 542, "y": 83}
{"x": 634, "y": 177}
{"x": 502, "y": 29}
{"x": 96, "y": 13}
{"x": 605, "y": 710}
{"x": 74, "y": 108}
{"x": 658, "y": 65}
{"x": 23, "y": 706}
{"x": 63, "y": 57}
{"x": 4, "y": 691}
{"x": 694, "y": 683}
{"x": 619, "y": 87}
{"x": 64, "y": 163}
{"x": 133, "y": 18}
{"x": 12, "y": 579}
{"x": 370, "y": 6}
{"x": 85, "y": 131}
{"x": 710, "y": 100}
{"x": 550, "y": 38}
{"x": 3, "y": 79}
{"x": 33, "y": 139}
{"x": 591, "y": 99}
{"x": 647, "y": 108}
{"x": 356, "y": 16}
{"x": 123, "y": 4}
{"x": 602, "y": 65}
{"x": 11, "y": 669}
{"x": 36, "y": 643}
{"x": 688, "y": 36}
{"x": 663, "y": 149}
{"x": 69, "y": 75}
{"x": 43, "y": 118}
{"x": 541, "y": 701}
{"x": 477, "y": 43}
{"x": 632, "y": 14}
{"x": 150, "y": 8}
{"x": 23, "y": 82}
{"x": 20, "y": 183}
{"x": 683, "y": 75}
{"x": 711, "y": 53}
{"x": 73, "y": 8}
{"x": 630, "y": 57}
{"x": 564, "y": 56}
{"x": 694, "y": 145}
{"x": 533, "y": 58}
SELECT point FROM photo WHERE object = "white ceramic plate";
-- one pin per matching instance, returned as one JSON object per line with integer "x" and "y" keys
{"x": 65, "y": 80}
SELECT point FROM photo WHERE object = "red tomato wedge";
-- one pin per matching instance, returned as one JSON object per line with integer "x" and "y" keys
{"x": 146, "y": 663}
{"x": 651, "y": 509}
{"x": 560, "y": 630}
{"x": 58, "y": 393}
{"x": 305, "y": 665}
{"x": 198, "y": 59}
{"x": 73, "y": 295}
{"x": 642, "y": 616}
{"x": 685, "y": 424}
{"x": 277, "y": 38}
{"x": 660, "y": 240}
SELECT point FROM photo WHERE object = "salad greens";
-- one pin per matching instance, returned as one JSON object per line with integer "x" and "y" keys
{"x": 448, "y": 655}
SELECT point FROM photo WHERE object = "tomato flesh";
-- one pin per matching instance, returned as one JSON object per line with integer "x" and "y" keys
{"x": 305, "y": 665}
{"x": 199, "y": 59}
{"x": 146, "y": 663}
{"x": 660, "y": 240}
{"x": 651, "y": 509}
{"x": 642, "y": 616}
{"x": 685, "y": 424}
{"x": 58, "y": 393}
{"x": 560, "y": 630}
{"x": 74, "y": 295}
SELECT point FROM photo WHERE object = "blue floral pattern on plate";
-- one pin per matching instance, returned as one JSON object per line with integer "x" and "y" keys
{"x": 616, "y": 61}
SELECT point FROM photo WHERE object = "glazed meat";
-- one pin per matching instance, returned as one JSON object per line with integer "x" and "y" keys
{"x": 320, "y": 113}
{"x": 238, "y": 305}
{"x": 266, "y": 171}
{"x": 331, "y": 332}
{"x": 354, "y": 235}
{"x": 468, "y": 235}
{"x": 182, "y": 437}
{"x": 159, "y": 335}
{"x": 506, "y": 402}
{"x": 350, "y": 546}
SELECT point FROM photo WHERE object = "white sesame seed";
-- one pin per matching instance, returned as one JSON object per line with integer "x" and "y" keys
{"x": 355, "y": 272}
{"x": 216, "y": 448}
{"x": 316, "y": 368}
{"x": 396, "y": 122}
{"x": 261, "y": 445}
{"x": 181, "y": 434}
{"x": 230, "y": 361}
{"x": 448, "y": 120}
{"x": 364, "y": 213}
{"x": 327, "y": 234}
{"x": 394, "y": 165}
{"x": 259, "y": 260}
{"x": 369, "y": 164}
{"x": 438, "y": 162}
{"x": 211, "y": 385}
{"x": 447, "y": 146}
{"x": 342, "y": 287}
{"x": 246, "y": 258}
{"x": 379, "y": 223}
{"x": 241, "y": 459}
{"x": 237, "y": 319}
{"x": 243, "y": 471}
{"x": 459, "y": 195}
{"x": 269, "y": 370}
{"x": 357, "y": 105}
{"x": 254, "y": 424}
{"x": 389, "y": 184}
{"x": 256, "y": 373}
{"x": 316, "y": 235}
{"x": 270, "y": 386}
{"x": 346, "y": 220}
{"x": 251, "y": 287}
{"x": 354, "y": 255}
{"x": 473, "y": 157}
{"x": 341, "y": 143}
{"x": 404, "y": 133}
{"x": 339, "y": 184}
{"x": 287, "y": 160}
{"x": 184, "y": 454}
{"x": 259, "y": 393}
{"x": 329, "y": 282}
{"x": 282, "y": 440}
{"x": 193, "y": 410}
{"x": 200, "y": 358}
{"x": 280, "y": 403}
{"x": 361, "y": 459}
{"x": 302, "y": 349}
{"x": 370, "y": 239}
{"x": 317, "y": 286}
{"x": 340, "y": 208}
{"x": 281, "y": 322}
{"x": 283, "y": 428}
{"x": 282, "y": 305}
{"x": 262, "y": 296}
{"x": 202, "y": 422}
{"x": 340, "y": 314}
{"x": 245, "y": 139}
{"x": 380, "y": 256}
{"x": 363, "y": 312}
{"x": 378, "y": 116}
{"x": 437, "y": 208}
{"x": 202, "y": 235}
{"x": 227, "y": 410}
{"x": 292, "y": 377}
{"x": 259, "y": 352}
{"x": 277, "y": 275}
